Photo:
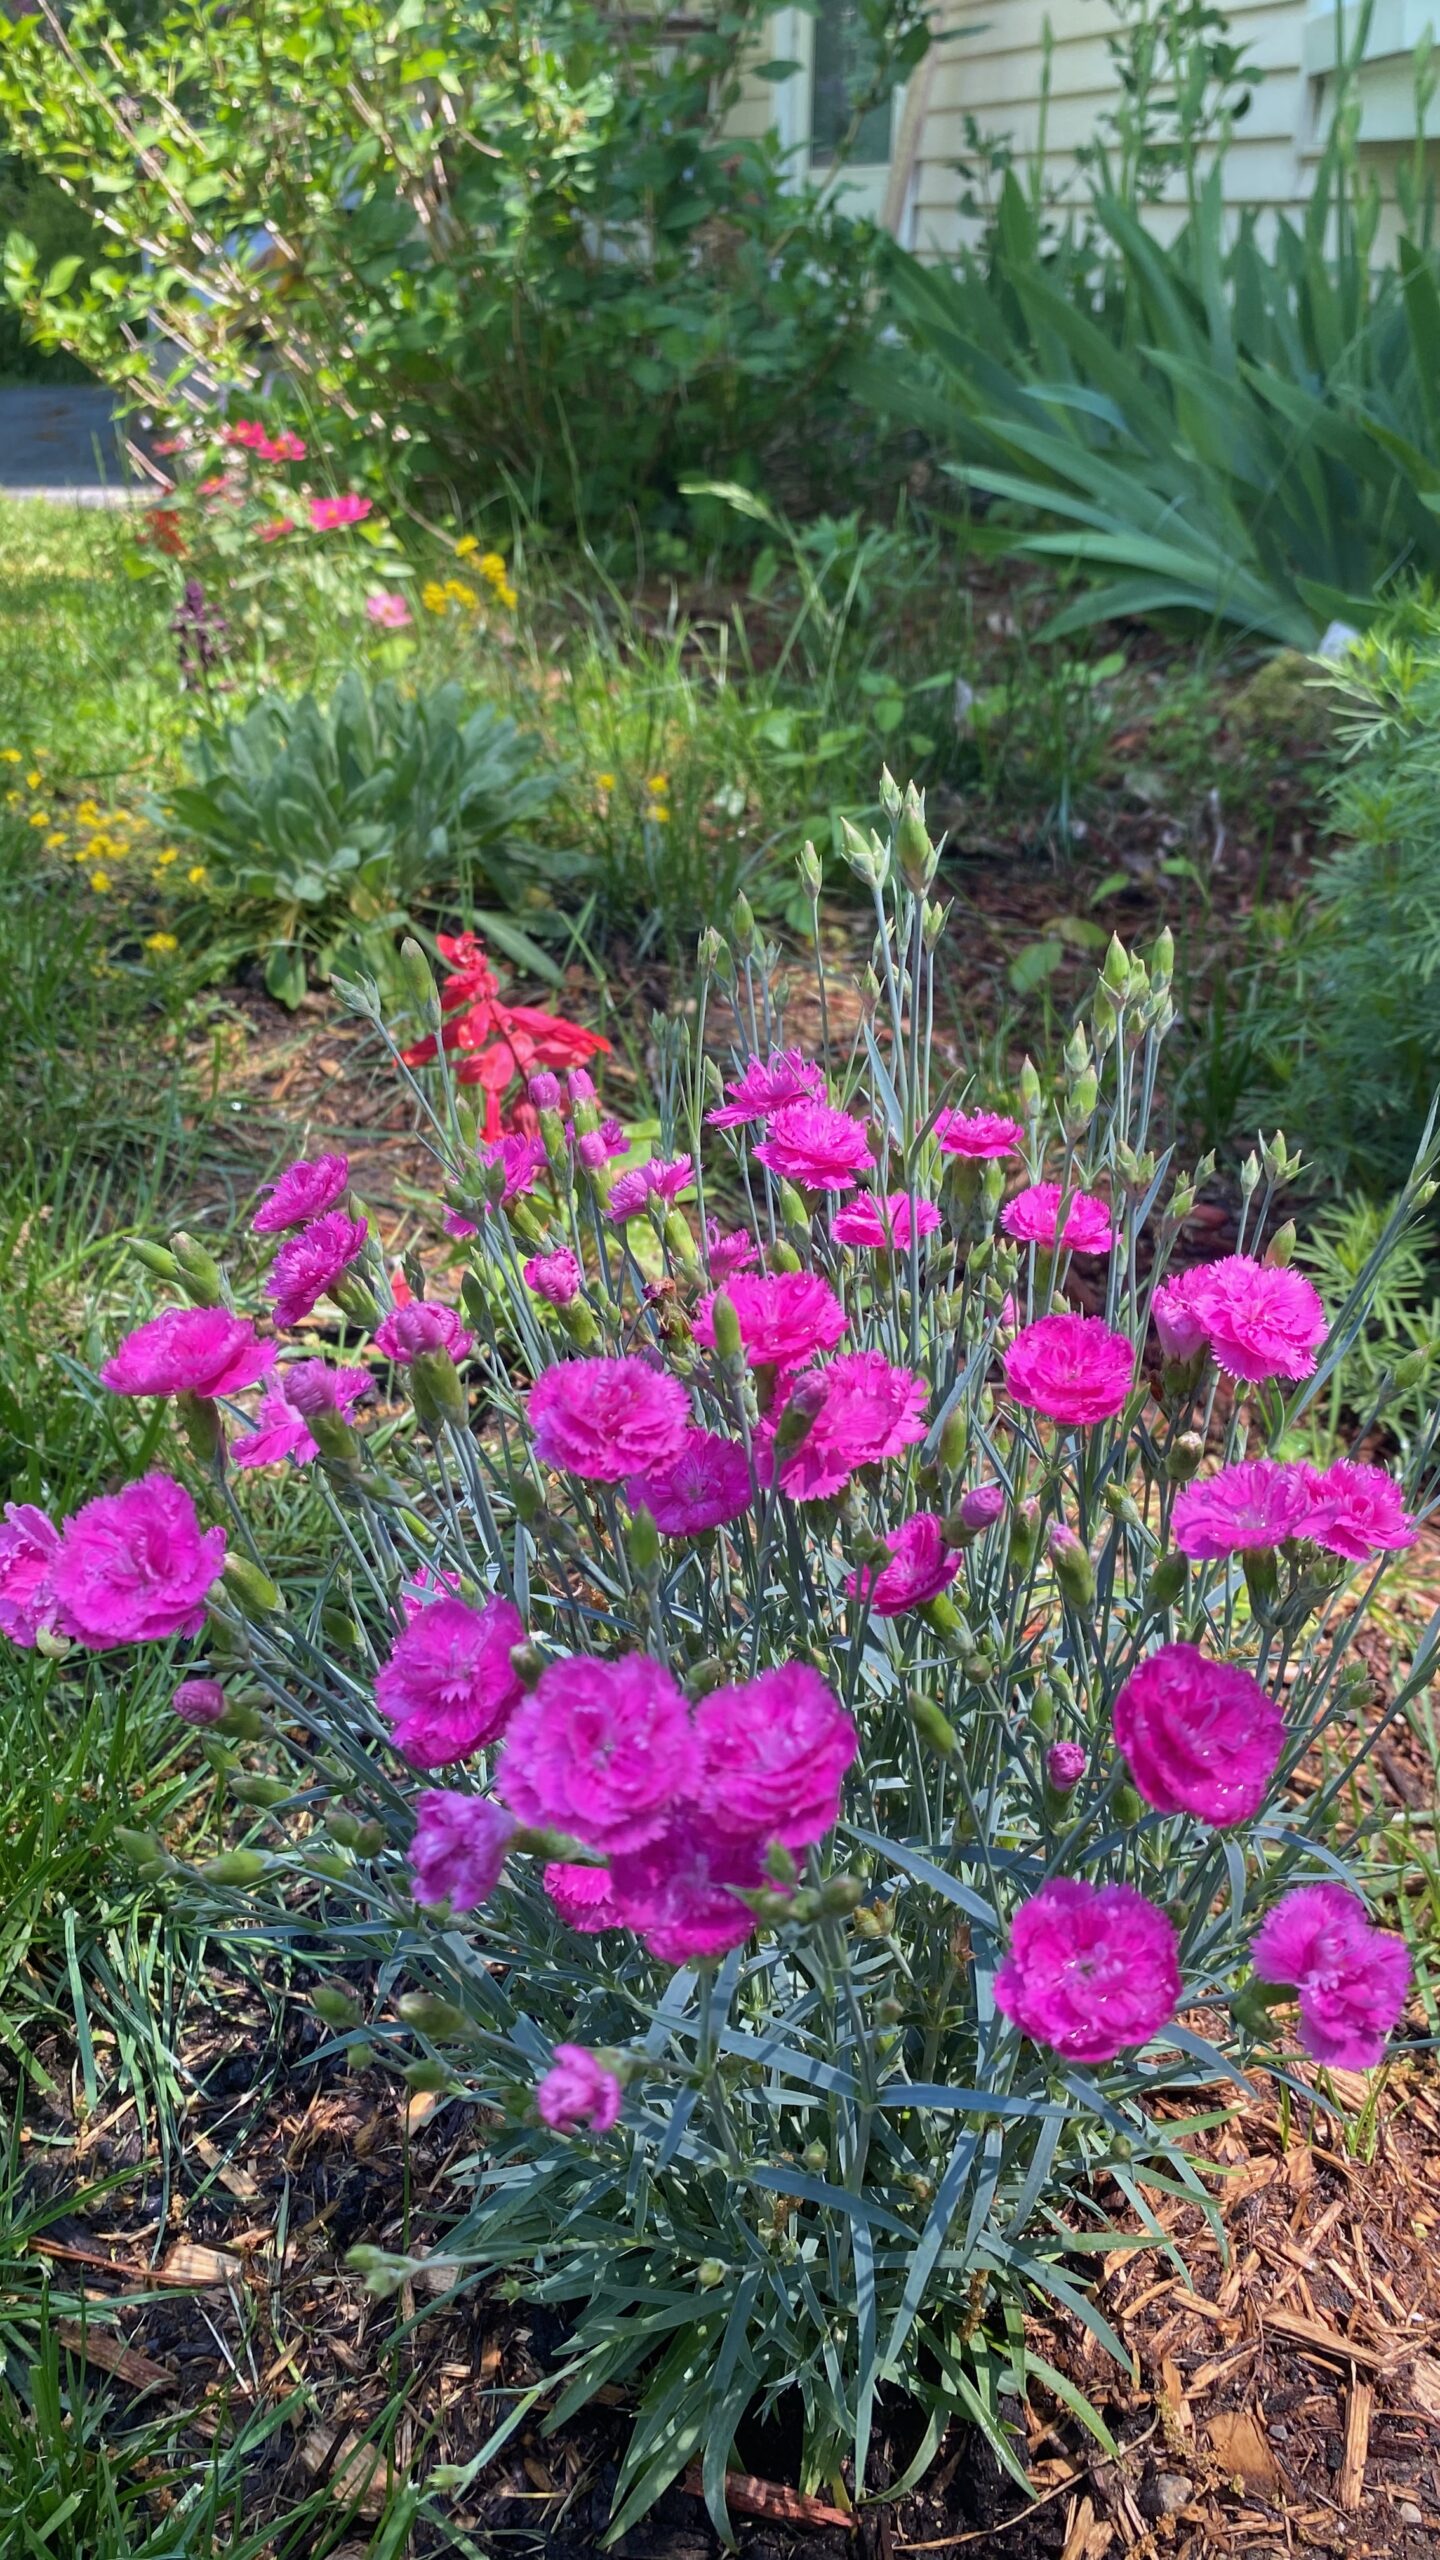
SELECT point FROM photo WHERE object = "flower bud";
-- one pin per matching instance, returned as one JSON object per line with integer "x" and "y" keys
{"x": 709, "y": 2273}
{"x": 816, "y": 2158}
{"x": 1115, "y": 970}
{"x": 1280, "y": 1250}
{"x": 857, "y": 852}
{"x": 527, "y": 1662}
{"x": 811, "y": 874}
{"x": 1127, "y": 1806}
{"x": 679, "y": 1239}
{"x": 914, "y": 852}
{"x": 935, "y": 920}
{"x": 1407, "y": 1373}
{"x": 1065, "y": 1764}
{"x": 200, "y": 1274}
{"x": 1029, "y": 1088}
{"x": 1185, "y": 1459}
{"x": 153, "y": 1257}
{"x": 783, "y": 1257}
{"x": 742, "y": 926}
{"x": 248, "y": 1789}
{"x": 1166, "y": 1583}
{"x": 430, "y": 2016}
{"x": 643, "y": 1544}
{"x": 335, "y": 2005}
{"x": 1071, "y": 1565}
{"x": 842, "y": 1893}
{"x": 334, "y": 1864}
{"x": 235, "y": 1867}
{"x": 954, "y": 1440}
{"x": 199, "y": 1419}
{"x": 429, "y": 2076}
{"x": 712, "y": 958}
{"x": 145, "y": 1851}
{"x": 1042, "y": 1710}
{"x": 435, "y": 1390}
{"x": 1162, "y": 958}
{"x": 251, "y": 1589}
{"x": 729, "y": 1346}
{"x": 339, "y": 1628}
{"x": 1024, "y": 1534}
{"x": 579, "y": 1322}
{"x": 933, "y": 1727}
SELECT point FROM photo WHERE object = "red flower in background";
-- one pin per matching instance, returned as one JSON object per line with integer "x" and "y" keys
{"x": 161, "y": 525}
{"x": 496, "y": 1043}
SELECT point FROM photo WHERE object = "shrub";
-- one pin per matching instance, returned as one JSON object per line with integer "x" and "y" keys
{"x": 324, "y": 825}
{"x": 773, "y": 1575}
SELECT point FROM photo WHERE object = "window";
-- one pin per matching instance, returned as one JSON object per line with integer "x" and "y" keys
{"x": 815, "y": 107}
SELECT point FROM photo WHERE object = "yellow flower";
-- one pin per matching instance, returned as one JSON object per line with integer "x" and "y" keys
{"x": 491, "y": 565}
{"x": 434, "y": 598}
{"x": 89, "y": 815}
{"x": 10, "y": 755}
{"x": 161, "y": 942}
{"x": 100, "y": 880}
{"x": 657, "y": 786}
{"x": 604, "y": 781}
{"x": 466, "y": 544}
{"x": 658, "y": 816}
{"x": 461, "y": 595}
{"x": 100, "y": 848}
{"x": 33, "y": 781}
{"x": 195, "y": 874}
{"x": 168, "y": 853}
{"x": 40, "y": 818}
{"x": 55, "y": 844}
{"x": 508, "y": 597}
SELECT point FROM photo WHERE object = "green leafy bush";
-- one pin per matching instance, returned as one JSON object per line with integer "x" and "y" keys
{"x": 323, "y": 825}
{"x": 508, "y": 245}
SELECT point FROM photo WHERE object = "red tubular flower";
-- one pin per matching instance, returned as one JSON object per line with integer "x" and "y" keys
{"x": 496, "y": 1043}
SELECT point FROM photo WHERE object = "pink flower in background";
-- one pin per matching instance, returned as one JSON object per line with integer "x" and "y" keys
{"x": 307, "y": 1266}
{"x": 702, "y": 1488}
{"x": 326, "y": 514}
{"x": 1033, "y": 1217}
{"x": 1256, "y": 1503}
{"x": 676, "y": 1889}
{"x": 1092, "y": 1970}
{"x": 1072, "y": 1368}
{"x": 200, "y": 1701}
{"x": 1357, "y": 1511}
{"x": 389, "y": 610}
{"x": 29, "y": 1542}
{"x": 785, "y": 1317}
{"x": 982, "y": 1506}
{"x": 978, "y": 1134}
{"x": 885, "y": 1224}
{"x": 1352, "y": 1978}
{"x": 277, "y": 528}
{"x": 196, "y": 1351}
{"x": 281, "y": 1428}
{"x": 314, "y": 1386}
{"x": 522, "y": 1158}
{"x": 583, "y": 1896}
{"x": 423, "y": 1325}
{"x": 577, "y": 2089}
{"x": 820, "y": 1148}
{"x": 423, "y": 1586}
{"x": 727, "y": 1254}
{"x": 283, "y": 448}
{"x": 1260, "y": 1323}
{"x": 305, "y": 1190}
{"x": 134, "y": 1566}
{"x": 459, "y": 1848}
{"x": 1065, "y": 1765}
{"x": 1179, "y": 1321}
{"x": 862, "y": 1410}
{"x": 767, "y": 1085}
{"x": 555, "y": 1277}
{"x": 449, "y": 1684}
{"x": 773, "y": 1755}
{"x": 654, "y": 1180}
{"x": 600, "y": 1749}
{"x": 923, "y": 1567}
{"x": 607, "y": 1419}
{"x": 1201, "y": 1737}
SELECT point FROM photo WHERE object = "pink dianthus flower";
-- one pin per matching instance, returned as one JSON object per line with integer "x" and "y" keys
{"x": 200, "y": 1701}
{"x": 773, "y": 1754}
{"x": 923, "y": 1566}
{"x": 727, "y": 1254}
{"x": 328, "y": 513}
{"x": 555, "y": 1277}
{"x": 767, "y": 1085}
{"x": 886, "y": 1224}
{"x": 196, "y": 1351}
{"x": 1201, "y": 1737}
{"x": 449, "y": 1684}
{"x": 134, "y": 1566}
{"x": 676, "y": 1890}
{"x": 706, "y": 1485}
{"x": 1261, "y": 1322}
{"x": 422, "y": 1325}
{"x": 305, "y": 1190}
{"x": 29, "y": 1543}
{"x": 607, "y": 1419}
{"x": 1033, "y": 1217}
{"x": 307, "y": 1266}
{"x": 1179, "y": 1321}
{"x": 600, "y": 1749}
{"x": 459, "y": 1848}
{"x": 583, "y": 1896}
{"x": 820, "y": 1148}
{"x": 982, "y": 1506}
{"x": 425, "y": 1584}
{"x": 631, "y": 1192}
{"x": 521, "y": 1158}
{"x": 785, "y": 1317}
{"x": 577, "y": 2089}
{"x": 1352, "y": 1978}
{"x": 979, "y": 1134}
{"x": 1092, "y": 1969}
{"x": 1072, "y": 1368}
{"x": 1357, "y": 1511}
{"x": 862, "y": 1410}
{"x": 281, "y": 1428}
{"x": 1256, "y": 1503}
{"x": 1065, "y": 1765}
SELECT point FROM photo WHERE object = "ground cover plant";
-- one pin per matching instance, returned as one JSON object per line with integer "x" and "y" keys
{"x": 795, "y": 1729}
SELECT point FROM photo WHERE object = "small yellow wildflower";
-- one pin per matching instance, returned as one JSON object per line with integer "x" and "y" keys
{"x": 99, "y": 849}
{"x": 161, "y": 942}
{"x": 34, "y": 780}
{"x": 491, "y": 565}
{"x": 464, "y": 596}
{"x": 55, "y": 844}
{"x": 657, "y": 814}
{"x": 168, "y": 853}
{"x": 41, "y": 818}
{"x": 89, "y": 814}
{"x": 100, "y": 880}
{"x": 508, "y": 596}
{"x": 195, "y": 874}
{"x": 657, "y": 785}
{"x": 604, "y": 781}
{"x": 434, "y": 598}
{"x": 466, "y": 544}
{"x": 11, "y": 755}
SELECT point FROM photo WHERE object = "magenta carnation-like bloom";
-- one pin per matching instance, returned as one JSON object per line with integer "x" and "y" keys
{"x": 1357, "y": 1511}
{"x": 313, "y": 1386}
{"x": 29, "y": 1543}
{"x": 820, "y": 1148}
{"x": 887, "y": 1224}
{"x": 1201, "y": 1737}
{"x": 555, "y": 1277}
{"x": 1092, "y": 1969}
{"x": 1065, "y": 1765}
{"x": 1256, "y": 1503}
{"x": 195, "y": 1351}
{"x": 449, "y": 1685}
{"x": 577, "y": 2089}
{"x": 134, "y": 1566}
{"x": 458, "y": 1849}
{"x": 702, "y": 1488}
{"x": 328, "y": 513}
{"x": 1179, "y": 1321}
{"x": 676, "y": 1891}
{"x": 311, "y": 1263}
{"x": 862, "y": 1410}
{"x": 768, "y": 1085}
{"x": 607, "y": 1419}
{"x": 1071, "y": 1367}
{"x": 727, "y": 1254}
{"x": 1033, "y": 1217}
{"x": 773, "y": 1755}
{"x": 601, "y": 1749}
{"x": 423, "y": 1586}
{"x": 281, "y": 1428}
{"x": 1352, "y": 1978}
{"x": 422, "y": 1325}
{"x": 199, "y": 1701}
{"x": 785, "y": 1317}
{"x": 583, "y": 1896}
{"x": 304, "y": 1191}
{"x": 982, "y": 1506}
{"x": 978, "y": 1134}
{"x": 654, "y": 1180}
{"x": 923, "y": 1567}
{"x": 388, "y": 608}
{"x": 521, "y": 1159}
{"x": 1260, "y": 1323}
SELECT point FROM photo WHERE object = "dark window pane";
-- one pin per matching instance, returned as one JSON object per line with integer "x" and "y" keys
{"x": 841, "y": 73}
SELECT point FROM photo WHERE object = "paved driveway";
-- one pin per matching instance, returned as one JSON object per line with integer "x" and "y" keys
{"x": 58, "y": 440}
